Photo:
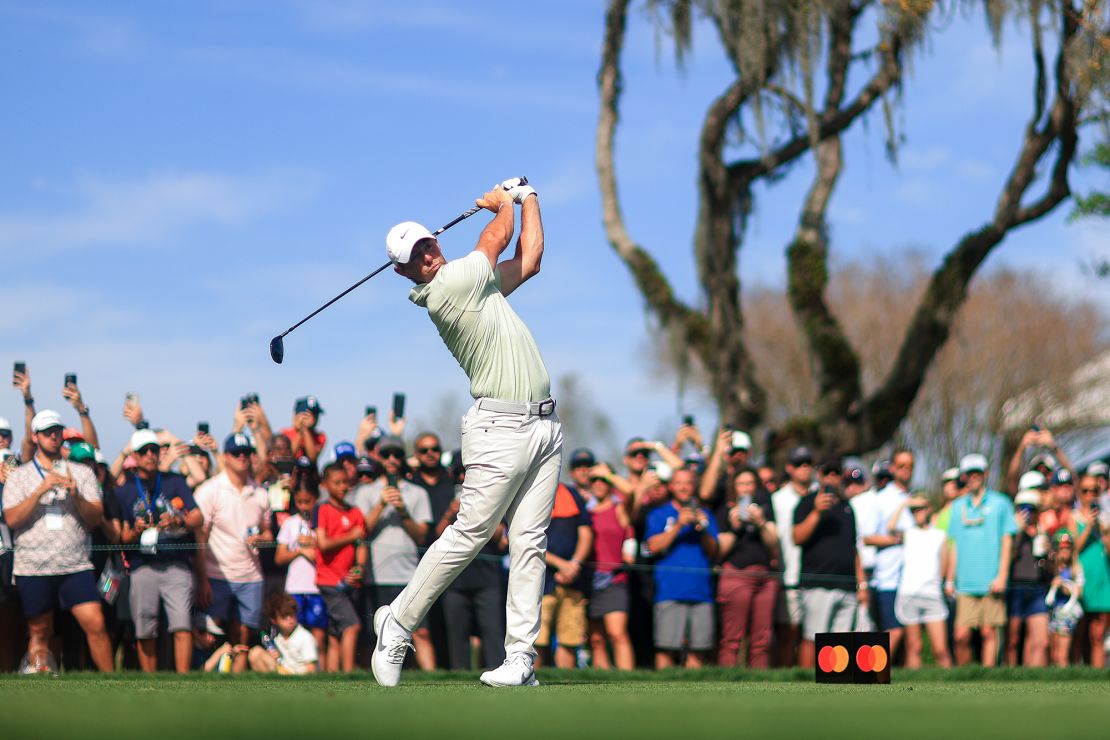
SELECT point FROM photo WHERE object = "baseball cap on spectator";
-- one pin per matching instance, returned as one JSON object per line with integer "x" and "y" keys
{"x": 1043, "y": 460}
{"x": 800, "y": 456}
{"x": 950, "y": 475}
{"x": 1099, "y": 469}
{"x": 303, "y": 462}
{"x": 69, "y": 434}
{"x": 236, "y": 443}
{"x": 5, "y": 426}
{"x": 1034, "y": 480}
{"x": 831, "y": 464}
{"x": 973, "y": 463}
{"x": 741, "y": 441}
{"x": 308, "y": 403}
{"x": 143, "y": 438}
{"x": 345, "y": 449}
{"x": 364, "y": 465}
{"x": 695, "y": 462}
{"x": 855, "y": 474}
{"x": 881, "y": 470}
{"x": 98, "y": 456}
{"x": 46, "y": 419}
{"x": 1028, "y": 498}
{"x": 390, "y": 442}
{"x": 81, "y": 452}
{"x": 1062, "y": 477}
{"x": 401, "y": 239}
{"x": 582, "y": 458}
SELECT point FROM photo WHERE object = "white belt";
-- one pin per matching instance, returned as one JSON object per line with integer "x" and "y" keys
{"x": 541, "y": 408}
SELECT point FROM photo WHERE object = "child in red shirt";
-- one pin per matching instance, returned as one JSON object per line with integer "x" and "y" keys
{"x": 339, "y": 565}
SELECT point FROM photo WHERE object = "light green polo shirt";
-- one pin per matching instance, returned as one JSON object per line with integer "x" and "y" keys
{"x": 490, "y": 342}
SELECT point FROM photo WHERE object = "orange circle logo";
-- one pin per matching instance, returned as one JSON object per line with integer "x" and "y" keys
{"x": 833, "y": 659}
{"x": 871, "y": 658}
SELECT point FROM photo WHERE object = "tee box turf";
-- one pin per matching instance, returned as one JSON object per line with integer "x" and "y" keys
{"x": 853, "y": 657}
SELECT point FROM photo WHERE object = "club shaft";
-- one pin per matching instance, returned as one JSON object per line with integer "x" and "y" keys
{"x": 464, "y": 215}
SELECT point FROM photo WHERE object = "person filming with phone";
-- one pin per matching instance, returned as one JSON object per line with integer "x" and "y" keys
{"x": 51, "y": 507}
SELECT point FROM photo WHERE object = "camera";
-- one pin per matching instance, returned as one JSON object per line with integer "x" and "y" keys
{"x": 688, "y": 420}
{"x": 247, "y": 400}
{"x": 202, "y": 427}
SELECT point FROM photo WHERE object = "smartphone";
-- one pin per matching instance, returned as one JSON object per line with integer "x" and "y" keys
{"x": 20, "y": 368}
{"x": 247, "y": 400}
{"x": 398, "y": 405}
{"x": 71, "y": 379}
{"x": 1035, "y": 427}
{"x": 371, "y": 411}
{"x": 391, "y": 480}
{"x": 688, "y": 420}
{"x": 131, "y": 397}
{"x": 143, "y": 424}
{"x": 202, "y": 427}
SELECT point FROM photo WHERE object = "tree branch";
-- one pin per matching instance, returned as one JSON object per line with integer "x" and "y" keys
{"x": 650, "y": 280}
{"x": 882, "y": 412}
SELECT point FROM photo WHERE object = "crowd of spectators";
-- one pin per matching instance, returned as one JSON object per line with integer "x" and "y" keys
{"x": 271, "y": 551}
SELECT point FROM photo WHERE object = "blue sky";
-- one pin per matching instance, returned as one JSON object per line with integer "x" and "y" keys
{"x": 183, "y": 180}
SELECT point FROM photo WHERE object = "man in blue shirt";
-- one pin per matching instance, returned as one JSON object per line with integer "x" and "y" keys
{"x": 683, "y": 538}
{"x": 980, "y": 535}
{"x": 159, "y": 515}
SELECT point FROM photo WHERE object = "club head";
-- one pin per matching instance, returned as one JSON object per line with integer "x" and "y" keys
{"x": 277, "y": 350}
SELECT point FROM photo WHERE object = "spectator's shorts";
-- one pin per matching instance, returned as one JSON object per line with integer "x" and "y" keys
{"x": 1026, "y": 601}
{"x": 612, "y": 598}
{"x": 169, "y": 585}
{"x": 312, "y": 612}
{"x": 679, "y": 623}
{"x": 888, "y": 616}
{"x": 565, "y": 610}
{"x": 42, "y": 594}
{"x": 828, "y": 610}
{"x": 236, "y": 601}
{"x": 342, "y": 614}
{"x": 920, "y": 608}
{"x": 980, "y": 611}
{"x": 789, "y": 609}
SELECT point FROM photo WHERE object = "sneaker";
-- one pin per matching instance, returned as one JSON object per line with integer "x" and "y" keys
{"x": 389, "y": 653}
{"x": 517, "y": 670}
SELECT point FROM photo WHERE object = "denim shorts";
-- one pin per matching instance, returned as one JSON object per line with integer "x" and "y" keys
{"x": 236, "y": 602}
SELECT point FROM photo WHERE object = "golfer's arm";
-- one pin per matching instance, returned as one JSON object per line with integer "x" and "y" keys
{"x": 497, "y": 234}
{"x": 529, "y": 248}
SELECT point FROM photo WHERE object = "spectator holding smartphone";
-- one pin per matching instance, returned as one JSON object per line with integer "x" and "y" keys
{"x": 307, "y": 440}
{"x": 296, "y": 551}
{"x": 340, "y": 564}
{"x": 50, "y": 506}
{"x": 683, "y": 538}
{"x": 159, "y": 518}
{"x": 748, "y": 588}
{"x": 236, "y": 513}
{"x": 21, "y": 379}
{"x": 790, "y": 610}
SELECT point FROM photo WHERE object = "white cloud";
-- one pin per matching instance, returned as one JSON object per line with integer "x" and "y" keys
{"x": 147, "y": 211}
{"x": 975, "y": 170}
{"x": 916, "y": 192}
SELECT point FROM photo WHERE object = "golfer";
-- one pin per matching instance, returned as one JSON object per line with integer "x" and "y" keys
{"x": 511, "y": 437}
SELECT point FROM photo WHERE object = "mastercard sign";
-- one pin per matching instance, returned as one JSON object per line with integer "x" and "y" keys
{"x": 853, "y": 657}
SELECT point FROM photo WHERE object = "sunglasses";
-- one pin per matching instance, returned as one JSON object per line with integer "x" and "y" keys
{"x": 239, "y": 453}
{"x": 395, "y": 454}
{"x": 1088, "y": 490}
{"x": 149, "y": 449}
{"x": 639, "y": 453}
{"x": 426, "y": 450}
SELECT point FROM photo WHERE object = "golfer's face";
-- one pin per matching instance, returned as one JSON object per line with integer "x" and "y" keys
{"x": 425, "y": 261}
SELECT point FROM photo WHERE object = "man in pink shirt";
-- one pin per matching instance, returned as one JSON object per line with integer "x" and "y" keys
{"x": 236, "y": 521}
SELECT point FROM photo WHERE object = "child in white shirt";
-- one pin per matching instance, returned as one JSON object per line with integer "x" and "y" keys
{"x": 290, "y": 649}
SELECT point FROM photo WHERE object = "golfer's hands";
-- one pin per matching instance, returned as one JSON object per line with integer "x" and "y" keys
{"x": 494, "y": 199}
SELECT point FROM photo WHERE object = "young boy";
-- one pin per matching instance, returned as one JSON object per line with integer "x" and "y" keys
{"x": 339, "y": 566}
{"x": 297, "y": 550}
{"x": 293, "y": 650}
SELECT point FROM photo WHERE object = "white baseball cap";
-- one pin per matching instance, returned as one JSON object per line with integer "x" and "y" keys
{"x": 973, "y": 463}
{"x": 741, "y": 441}
{"x": 46, "y": 420}
{"x": 1034, "y": 480}
{"x": 5, "y": 425}
{"x": 402, "y": 238}
{"x": 1097, "y": 468}
{"x": 143, "y": 437}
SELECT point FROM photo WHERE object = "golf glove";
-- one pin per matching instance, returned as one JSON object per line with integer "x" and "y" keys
{"x": 518, "y": 188}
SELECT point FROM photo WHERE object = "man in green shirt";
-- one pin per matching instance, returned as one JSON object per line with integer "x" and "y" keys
{"x": 512, "y": 439}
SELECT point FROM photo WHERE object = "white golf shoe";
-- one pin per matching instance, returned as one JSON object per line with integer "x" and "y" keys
{"x": 517, "y": 670}
{"x": 389, "y": 652}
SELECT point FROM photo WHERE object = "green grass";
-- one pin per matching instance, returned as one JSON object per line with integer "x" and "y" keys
{"x": 572, "y": 705}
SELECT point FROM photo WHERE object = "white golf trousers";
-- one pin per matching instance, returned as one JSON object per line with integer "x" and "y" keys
{"x": 512, "y": 470}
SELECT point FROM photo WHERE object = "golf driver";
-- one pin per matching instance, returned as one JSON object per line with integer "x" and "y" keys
{"x": 277, "y": 344}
